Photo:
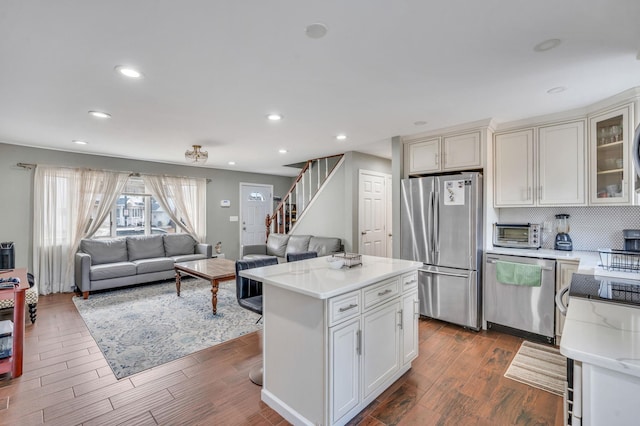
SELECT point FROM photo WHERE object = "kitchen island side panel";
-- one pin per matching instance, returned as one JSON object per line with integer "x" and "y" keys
{"x": 294, "y": 354}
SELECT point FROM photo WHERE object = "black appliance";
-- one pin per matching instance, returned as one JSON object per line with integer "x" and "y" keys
{"x": 631, "y": 239}
{"x": 563, "y": 240}
{"x": 635, "y": 152}
{"x": 7, "y": 256}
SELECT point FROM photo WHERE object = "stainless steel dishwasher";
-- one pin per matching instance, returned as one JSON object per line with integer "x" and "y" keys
{"x": 521, "y": 309}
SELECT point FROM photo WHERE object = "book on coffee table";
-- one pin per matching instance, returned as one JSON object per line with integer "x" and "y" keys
{"x": 6, "y": 328}
{"x": 6, "y": 341}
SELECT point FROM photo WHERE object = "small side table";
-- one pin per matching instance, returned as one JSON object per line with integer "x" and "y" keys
{"x": 14, "y": 362}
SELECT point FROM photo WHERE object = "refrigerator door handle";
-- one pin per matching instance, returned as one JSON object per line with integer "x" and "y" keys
{"x": 449, "y": 274}
{"x": 431, "y": 225}
{"x": 436, "y": 225}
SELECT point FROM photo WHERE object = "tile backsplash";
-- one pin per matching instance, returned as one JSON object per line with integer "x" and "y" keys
{"x": 592, "y": 228}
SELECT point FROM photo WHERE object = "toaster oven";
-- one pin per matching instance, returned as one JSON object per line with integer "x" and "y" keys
{"x": 517, "y": 235}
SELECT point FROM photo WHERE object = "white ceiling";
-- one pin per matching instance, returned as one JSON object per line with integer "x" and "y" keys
{"x": 214, "y": 69}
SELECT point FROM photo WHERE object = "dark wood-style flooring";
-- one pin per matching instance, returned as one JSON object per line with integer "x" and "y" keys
{"x": 456, "y": 380}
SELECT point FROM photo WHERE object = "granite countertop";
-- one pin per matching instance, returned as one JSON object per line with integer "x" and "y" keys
{"x": 315, "y": 278}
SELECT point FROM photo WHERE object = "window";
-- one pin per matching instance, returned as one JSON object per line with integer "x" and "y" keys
{"x": 136, "y": 212}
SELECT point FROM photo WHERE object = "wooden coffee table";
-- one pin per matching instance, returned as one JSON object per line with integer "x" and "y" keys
{"x": 214, "y": 270}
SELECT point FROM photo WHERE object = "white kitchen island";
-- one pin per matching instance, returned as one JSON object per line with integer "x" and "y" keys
{"x": 334, "y": 339}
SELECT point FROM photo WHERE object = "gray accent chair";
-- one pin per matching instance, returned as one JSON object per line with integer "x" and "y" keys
{"x": 279, "y": 245}
{"x": 115, "y": 262}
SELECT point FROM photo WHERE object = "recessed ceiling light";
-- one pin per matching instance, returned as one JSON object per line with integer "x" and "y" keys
{"x": 231, "y": 163}
{"x": 547, "y": 45}
{"x": 558, "y": 89}
{"x": 100, "y": 114}
{"x": 317, "y": 30}
{"x": 129, "y": 72}
{"x": 419, "y": 123}
{"x": 79, "y": 142}
{"x": 341, "y": 137}
{"x": 282, "y": 151}
{"x": 274, "y": 117}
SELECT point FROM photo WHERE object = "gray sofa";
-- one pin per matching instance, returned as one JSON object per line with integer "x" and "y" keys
{"x": 115, "y": 262}
{"x": 279, "y": 245}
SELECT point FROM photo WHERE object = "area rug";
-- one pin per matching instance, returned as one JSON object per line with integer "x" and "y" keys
{"x": 142, "y": 327}
{"x": 540, "y": 366}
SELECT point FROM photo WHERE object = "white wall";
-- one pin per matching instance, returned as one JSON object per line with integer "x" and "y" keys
{"x": 325, "y": 216}
{"x": 16, "y": 186}
{"x": 335, "y": 211}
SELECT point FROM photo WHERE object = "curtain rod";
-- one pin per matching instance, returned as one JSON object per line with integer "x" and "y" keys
{"x": 30, "y": 166}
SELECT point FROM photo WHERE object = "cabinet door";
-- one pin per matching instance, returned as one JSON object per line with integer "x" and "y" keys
{"x": 344, "y": 368}
{"x": 561, "y": 164}
{"x": 513, "y": 169}
{"x": 564, "y": 271}
{"x": 424, "y": 156}
{"x": 380, "y": 343}
{"x": 410, "y": 314}
{"x": 461, "y": 151}
{"x": 610, "y": 167}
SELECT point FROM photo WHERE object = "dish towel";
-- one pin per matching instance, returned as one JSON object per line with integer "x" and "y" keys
{"x": 518, "y": 273}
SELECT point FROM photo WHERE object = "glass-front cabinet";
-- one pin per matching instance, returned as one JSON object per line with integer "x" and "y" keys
{"x": 611, "y": 172}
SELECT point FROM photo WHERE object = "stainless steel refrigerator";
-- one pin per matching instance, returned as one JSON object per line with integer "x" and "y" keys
{"x": 441, "y": 226}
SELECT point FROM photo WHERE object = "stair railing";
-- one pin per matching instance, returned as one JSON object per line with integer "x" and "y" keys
{"x": 306, "y": 185}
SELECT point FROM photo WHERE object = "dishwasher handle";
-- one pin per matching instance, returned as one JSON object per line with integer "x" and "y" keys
{"x": 546, "y": 268}
{"x": 561, "y": 306}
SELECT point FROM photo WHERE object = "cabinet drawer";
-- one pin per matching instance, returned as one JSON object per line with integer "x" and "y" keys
{"x": 344, "y": 307}
{"x": 409, "y": 281}
{"x": 382, "y": 292}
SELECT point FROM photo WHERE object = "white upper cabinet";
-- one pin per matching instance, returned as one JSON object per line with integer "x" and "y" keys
{"x": 561, "y": 165}
{"x": 544, "y": 172}
{"x": 424, "y": 156}
{"x": 513, "y": 169}
{"x": 461, "y": 151}
{"x": 451, "y": 152}
{"x": 610, "y": 170}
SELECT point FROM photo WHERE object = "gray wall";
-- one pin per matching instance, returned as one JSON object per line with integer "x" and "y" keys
{"x": 334, "y": 213}
{"x": 16, "y": 186}
{"x": 356, "y": 161}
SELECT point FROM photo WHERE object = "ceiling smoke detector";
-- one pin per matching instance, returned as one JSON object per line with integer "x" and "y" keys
{"x": 317, "y": 30}
{"x": 547, "y": 45}
{"x": 196, "y": 155}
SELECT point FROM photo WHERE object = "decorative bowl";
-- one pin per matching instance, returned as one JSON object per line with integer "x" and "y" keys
{"x": 336, "y": 264}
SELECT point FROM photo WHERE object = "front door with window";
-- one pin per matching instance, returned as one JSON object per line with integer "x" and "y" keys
{"x": 256, "y": 202}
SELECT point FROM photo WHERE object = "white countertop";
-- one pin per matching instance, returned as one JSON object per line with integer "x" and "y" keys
{"x": 603, "y": 334}
{"x": 315, "y": 278}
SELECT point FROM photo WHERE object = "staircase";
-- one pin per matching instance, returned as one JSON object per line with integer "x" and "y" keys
{"x": 309, "y": 181}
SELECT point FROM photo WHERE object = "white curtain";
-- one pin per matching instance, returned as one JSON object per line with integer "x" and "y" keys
{"x": 97, "y": 192}
{"x": 184, "y": 199}
{"x": 69, "y": 204}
